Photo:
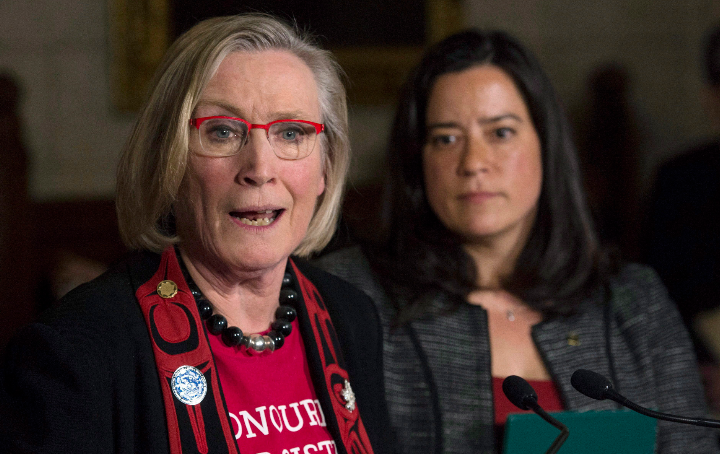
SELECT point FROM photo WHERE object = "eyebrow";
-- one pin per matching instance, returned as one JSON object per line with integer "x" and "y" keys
{"x": 484, "y": 121}
{"x": 506, "y": 116}
{"x": 234, "y": 111}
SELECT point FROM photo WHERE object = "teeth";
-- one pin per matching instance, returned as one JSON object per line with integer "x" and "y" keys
{"x": 257, "y": 222}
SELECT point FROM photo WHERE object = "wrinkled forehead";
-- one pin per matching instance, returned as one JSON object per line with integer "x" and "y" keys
{"x": 261, "y": 86}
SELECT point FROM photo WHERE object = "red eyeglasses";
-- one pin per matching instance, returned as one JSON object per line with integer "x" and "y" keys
{"x": 221, "y": 136}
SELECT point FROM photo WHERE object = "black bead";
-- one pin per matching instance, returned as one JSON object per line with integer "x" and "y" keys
{"x": 285, "y": 313}
{"x": 232, "y": 336}
{"x": 205, "y": 309}
{"x": 216, "y": 324}
{"x": 278, "y": 338}
{"x": 288, "y": 296}
{"x": 283, "y": 327}
{"x": 245, "y": 342}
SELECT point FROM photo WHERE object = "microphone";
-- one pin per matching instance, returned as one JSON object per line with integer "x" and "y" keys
{"x": 598, "y": 387}
{"x": 523, "y": 396}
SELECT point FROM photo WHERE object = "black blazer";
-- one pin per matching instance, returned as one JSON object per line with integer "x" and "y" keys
{"x": 84, "y": 380}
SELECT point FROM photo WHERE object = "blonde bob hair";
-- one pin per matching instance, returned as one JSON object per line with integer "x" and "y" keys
{"x": 155, "y": 157}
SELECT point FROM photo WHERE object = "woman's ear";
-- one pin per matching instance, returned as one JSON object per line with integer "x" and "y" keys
{"x": 321, "y": 186}
{"x": 324, "y": 164}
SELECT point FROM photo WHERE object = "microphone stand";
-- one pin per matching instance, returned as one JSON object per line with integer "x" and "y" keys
{"x": 598, "y": 387}
{"x": 613, "y": 395}
{"x": 522, "y": 395}
{"x": 564, "y": 432}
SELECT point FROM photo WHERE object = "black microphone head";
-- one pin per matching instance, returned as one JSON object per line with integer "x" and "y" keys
{"x": 591, "y": 384}
{"x": 517, "y": 390}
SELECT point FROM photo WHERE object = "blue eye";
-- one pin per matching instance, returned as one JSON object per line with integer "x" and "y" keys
{"x": 289, "y": 135}
{"x": 222, "y": 133}
{"x": 222, "y": 130}
{"x": 288, "y": 132}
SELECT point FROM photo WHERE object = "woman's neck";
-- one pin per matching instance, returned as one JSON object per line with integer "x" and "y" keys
{"x": 491, "y": 265}
{"x": 247, "y": 300}
{"x": 495, "y": 256}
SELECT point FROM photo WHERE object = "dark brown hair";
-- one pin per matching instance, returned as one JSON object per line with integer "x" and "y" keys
{"x": 420, "y": 259}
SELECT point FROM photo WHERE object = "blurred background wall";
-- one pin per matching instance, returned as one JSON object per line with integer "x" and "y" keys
{"x": 60, "y": 54}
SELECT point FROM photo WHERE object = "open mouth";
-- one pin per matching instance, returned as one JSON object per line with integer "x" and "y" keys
{"x": 256, "y": 218}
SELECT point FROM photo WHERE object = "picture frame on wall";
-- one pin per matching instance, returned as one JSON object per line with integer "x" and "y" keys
{"x": 375, "y": 42}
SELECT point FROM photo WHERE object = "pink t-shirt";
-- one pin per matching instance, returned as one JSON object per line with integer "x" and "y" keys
{"x": 271, "y": 399}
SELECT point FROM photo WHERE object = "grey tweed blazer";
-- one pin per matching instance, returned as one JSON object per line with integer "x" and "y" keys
{"x": 437, "y": 370}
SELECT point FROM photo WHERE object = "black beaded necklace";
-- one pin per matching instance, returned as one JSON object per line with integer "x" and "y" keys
{"x": 233, "y": 336}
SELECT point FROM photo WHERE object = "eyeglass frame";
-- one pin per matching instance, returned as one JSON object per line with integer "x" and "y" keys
{"x": 319, "y": 127}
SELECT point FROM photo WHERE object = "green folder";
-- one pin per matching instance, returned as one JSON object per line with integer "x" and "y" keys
{"x": 591, "y": 432}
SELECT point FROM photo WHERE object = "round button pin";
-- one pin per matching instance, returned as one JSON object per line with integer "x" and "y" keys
{"x": 188, "y": 385}
{"x": 167, "y": 289}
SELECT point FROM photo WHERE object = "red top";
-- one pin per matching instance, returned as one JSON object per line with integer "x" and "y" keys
{"x": 548, "y": 398}
{"x": 271, "y": 399}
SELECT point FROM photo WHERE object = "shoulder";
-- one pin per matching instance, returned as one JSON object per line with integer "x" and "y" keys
{"x": 95, "y": 322}
{"x": 347, "y": 263}
{"x": 636, "y": 277}
{"x": 90, "y": 348}
{"x": 321, "y": 276}
{"x": 106, "y": 300}
{"x": 353, "y": 266}
{"x": 638, "y": 293}
{"x": 348, "y": 306}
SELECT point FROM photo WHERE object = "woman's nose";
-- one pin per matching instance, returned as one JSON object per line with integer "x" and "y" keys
{"x": 476, "y": 156}
{"x": 257, "y": 160}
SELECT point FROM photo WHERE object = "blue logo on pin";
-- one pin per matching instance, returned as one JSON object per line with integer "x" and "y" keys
{"x": 188, "y": 385}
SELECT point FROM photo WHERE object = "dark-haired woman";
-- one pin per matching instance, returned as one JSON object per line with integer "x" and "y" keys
{"x": 491, "y": 266}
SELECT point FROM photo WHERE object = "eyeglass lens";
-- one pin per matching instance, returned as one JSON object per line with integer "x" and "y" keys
{"x": 226, "y": 137}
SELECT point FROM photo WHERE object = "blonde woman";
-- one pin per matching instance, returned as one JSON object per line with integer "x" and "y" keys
{"x": 211, "y": 338}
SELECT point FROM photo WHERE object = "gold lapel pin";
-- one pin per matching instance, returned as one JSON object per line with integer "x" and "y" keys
{"x": 167, "y": 289}
{"x": 573, "y": 339}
